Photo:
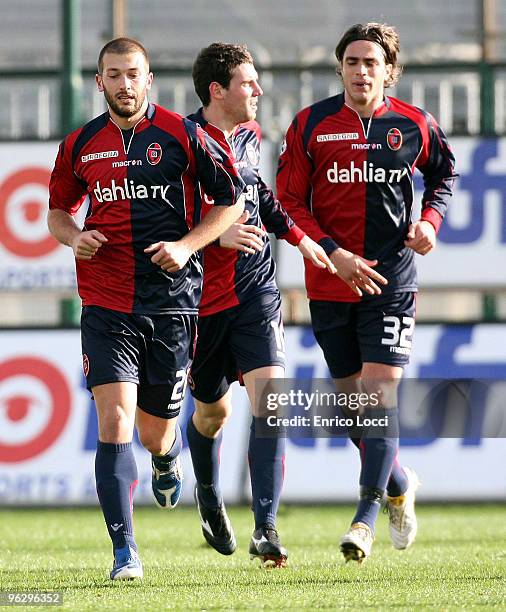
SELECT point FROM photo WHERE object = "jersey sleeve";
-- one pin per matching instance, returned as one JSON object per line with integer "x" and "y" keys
{"x": 213, "y": 167}
{"x": 275, "y": 218}
{"x": 437, "y": 164}
{"x": 293, "y": 185}
{"x": 66, "y": 191}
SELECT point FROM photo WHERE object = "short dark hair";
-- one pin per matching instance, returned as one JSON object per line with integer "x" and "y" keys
{"x": 382, "y": 34}
{"x": 121, "y": 46}
{"x": 216, "y": 63}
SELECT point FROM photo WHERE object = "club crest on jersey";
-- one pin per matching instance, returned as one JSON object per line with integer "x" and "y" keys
{"x": 154, "y": 153}
{"x": 191, "y": 382}
{"x": 252, "y": 154}
{"x": 283, "y": 147}
{"x": 394, "y": 139}
{"x": 86, "y": 364}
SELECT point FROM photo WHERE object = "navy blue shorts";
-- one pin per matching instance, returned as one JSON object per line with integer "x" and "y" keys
{"x": 378, "y": 329}
{"x": 153, "y": 352}
{"x": 236, "y": 341}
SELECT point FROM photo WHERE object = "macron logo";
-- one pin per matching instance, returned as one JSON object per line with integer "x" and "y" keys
{"x": 102, "y": 155}
{"x": 128, "y": 190}
{"x": 116, "y": 526}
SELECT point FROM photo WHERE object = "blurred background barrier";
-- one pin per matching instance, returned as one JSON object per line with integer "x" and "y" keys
{"x": 48, "y": 426}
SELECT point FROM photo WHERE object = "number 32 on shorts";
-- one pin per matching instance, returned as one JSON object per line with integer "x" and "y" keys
{"x": 398, "y": 333}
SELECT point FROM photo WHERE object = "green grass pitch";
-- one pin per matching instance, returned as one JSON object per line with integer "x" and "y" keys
{"x": 457, "y": 562}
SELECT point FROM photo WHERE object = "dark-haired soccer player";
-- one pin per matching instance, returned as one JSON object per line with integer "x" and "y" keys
{"x": 345, "y": 176}
{"x": 240, "y": 331}
{"x": 139, "y": 273}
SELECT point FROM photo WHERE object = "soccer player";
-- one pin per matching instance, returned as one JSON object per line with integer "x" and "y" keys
{"x": 240, "y": 333}
{"x": 139, "y": 273}
{"x": 345, "y": 176}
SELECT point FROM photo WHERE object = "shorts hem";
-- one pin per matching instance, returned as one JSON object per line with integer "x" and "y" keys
{"x": 273, "y": 362}
{"x": 396, "y": 363}
{"x": 347, "y": 373}
{"x": 200, "y": 398}
{"x": 162, "y": 414}
{"x": 108, "y": 381}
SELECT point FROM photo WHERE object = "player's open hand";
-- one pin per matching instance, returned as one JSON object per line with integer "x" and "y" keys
{"x": 357, "y": 272}
{"x": 170, "y": 256}
{"x": 86, "y": 244}
{"x": 242, "y": 237}
{"x": 313, "y": 251}
{"x": 421, "y": 237}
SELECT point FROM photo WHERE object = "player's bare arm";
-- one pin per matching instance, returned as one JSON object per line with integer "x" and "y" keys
{"x": 62, "y": 226}
{"x": 173, "y": 256}
{"x": 243, "y": 237}
{"x": 421, "y": 237}
{"x": 357, "y": 272}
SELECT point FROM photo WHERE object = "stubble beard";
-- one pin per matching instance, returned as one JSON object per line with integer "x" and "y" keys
{"x": 124, "y": 111}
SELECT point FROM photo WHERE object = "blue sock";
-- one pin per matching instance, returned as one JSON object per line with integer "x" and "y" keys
{"x": 205, "y": 453}
{"x": 378, "y": 455}
{"x": 116, "y": 478}
{"x": 163, "y": 463}
{"x": 398, "y": 481}
{"x": 266, "y": 458}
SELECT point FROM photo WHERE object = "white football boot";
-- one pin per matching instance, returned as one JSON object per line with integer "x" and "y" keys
{"x": 356, "y": 544}
{"x": 401, "y": 513}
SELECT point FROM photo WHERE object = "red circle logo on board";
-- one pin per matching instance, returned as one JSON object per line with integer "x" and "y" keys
{"x": 35, "y": 402}
{"x": 23, "y": 206}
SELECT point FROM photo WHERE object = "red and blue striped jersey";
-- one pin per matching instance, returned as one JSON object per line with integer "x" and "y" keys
{"x": 232, "y": 277}
{"x": 349, "y": 183}
{"x": 142, "y": 187}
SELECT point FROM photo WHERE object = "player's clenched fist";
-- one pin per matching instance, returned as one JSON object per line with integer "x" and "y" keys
{"x": 421, "y": 237}
{"x": 86, "y": 244}
{"x": 170, "y": 256}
